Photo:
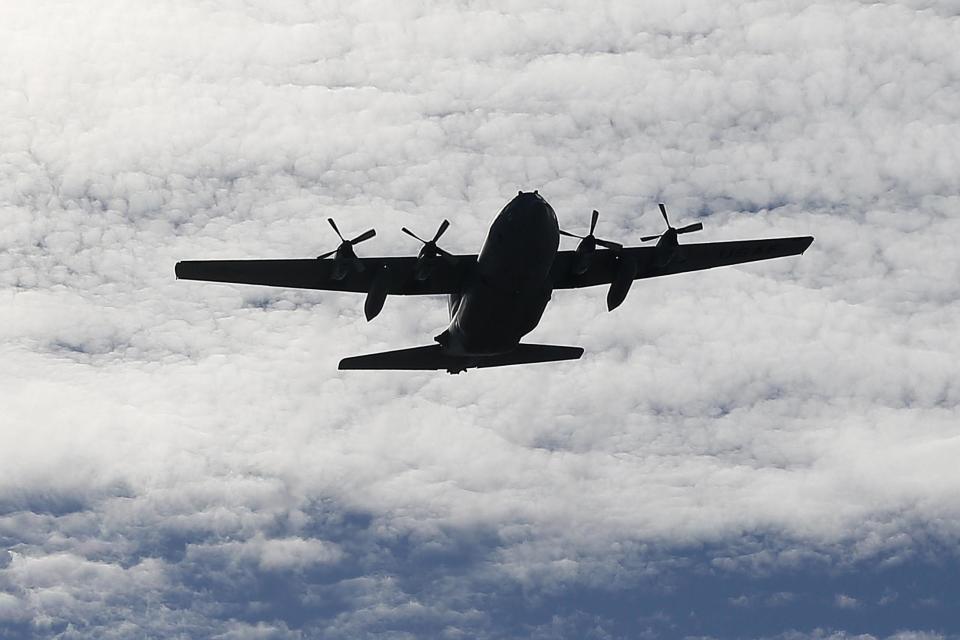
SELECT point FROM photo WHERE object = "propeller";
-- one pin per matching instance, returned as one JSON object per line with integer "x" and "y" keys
{"x": 696, "y": 226}
{"x": 430, "y": 248}
{"x": 430, "y": 251}
{"x": 346, "y": 245}
{"x": 588, "y": 244}
{"x": 589, "y": 241}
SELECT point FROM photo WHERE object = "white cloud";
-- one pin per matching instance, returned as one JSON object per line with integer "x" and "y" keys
{"x": 11, "y": 609}
{"x": 271, "y": 555}
{"x": 172, "y": 448}
{"x": 843, "y": 601}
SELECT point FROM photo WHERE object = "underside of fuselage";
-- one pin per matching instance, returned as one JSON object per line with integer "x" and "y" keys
{"x": 506, "y": 298}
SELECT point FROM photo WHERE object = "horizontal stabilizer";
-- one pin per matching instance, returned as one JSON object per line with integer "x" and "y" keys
{"x": 434, "y": 357}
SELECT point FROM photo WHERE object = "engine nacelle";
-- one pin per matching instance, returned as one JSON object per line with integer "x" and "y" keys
{"x": 584, "y": 255}
{"x": 344, "y": 261}
{"x": 424, "y": 267}
{"x": 622, "y": 281}
{"x": 668, "y": 248}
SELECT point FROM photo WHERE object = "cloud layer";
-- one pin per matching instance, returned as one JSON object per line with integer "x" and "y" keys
{"x": 762, "y": 451}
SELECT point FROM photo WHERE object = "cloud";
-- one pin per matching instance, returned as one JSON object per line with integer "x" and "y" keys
{"x": 268, "y": 555}
{"x": 184, "y": 459}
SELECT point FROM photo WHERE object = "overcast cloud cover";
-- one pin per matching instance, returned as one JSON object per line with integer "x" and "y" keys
{"x": 760, "y": 451}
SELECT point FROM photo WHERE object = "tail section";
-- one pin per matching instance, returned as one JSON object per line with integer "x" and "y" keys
{"x": 434, "y": 357}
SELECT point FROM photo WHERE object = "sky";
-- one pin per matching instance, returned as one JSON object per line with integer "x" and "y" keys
{"x": 762, "y": 451}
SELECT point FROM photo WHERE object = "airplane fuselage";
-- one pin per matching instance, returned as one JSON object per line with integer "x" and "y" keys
{"x": 510, "y": 291}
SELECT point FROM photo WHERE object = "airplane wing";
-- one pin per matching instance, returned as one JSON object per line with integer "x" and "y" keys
{"x": 650, "y": 262}
{"x": 397, "y": 273}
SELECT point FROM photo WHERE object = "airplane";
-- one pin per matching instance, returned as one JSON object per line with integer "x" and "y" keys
{"x": 497, "y": 297}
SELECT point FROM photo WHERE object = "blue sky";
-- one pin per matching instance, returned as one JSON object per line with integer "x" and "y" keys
{"x": 766, "y": 451}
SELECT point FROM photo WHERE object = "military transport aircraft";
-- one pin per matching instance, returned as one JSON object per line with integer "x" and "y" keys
{"x": 499, "y": 296}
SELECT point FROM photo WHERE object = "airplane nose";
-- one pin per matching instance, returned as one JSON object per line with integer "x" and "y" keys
{"x": 531, "y": 202}
{"x": 529, "y": 208}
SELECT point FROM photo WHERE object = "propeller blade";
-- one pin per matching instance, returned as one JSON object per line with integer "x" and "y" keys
{"x": 663, "y": 212}
{"x": 570, "y": 235}
{"x": 441, "y": 230}
{"x": 646, "y": 238}
{"x": 334, "y": 225}
{"x": 366, "y": 235}
{"x": 327, "y": 254}
{"x": 446, "y": 255}
{"x": 593, "y": 220}
{"x": 412, "y": 234}
{"x": 696, "y": 226}
{"x": 615, "y": 246}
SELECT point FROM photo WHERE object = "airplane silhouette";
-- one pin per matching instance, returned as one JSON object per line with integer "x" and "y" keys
{"x": 498, "y": 296}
